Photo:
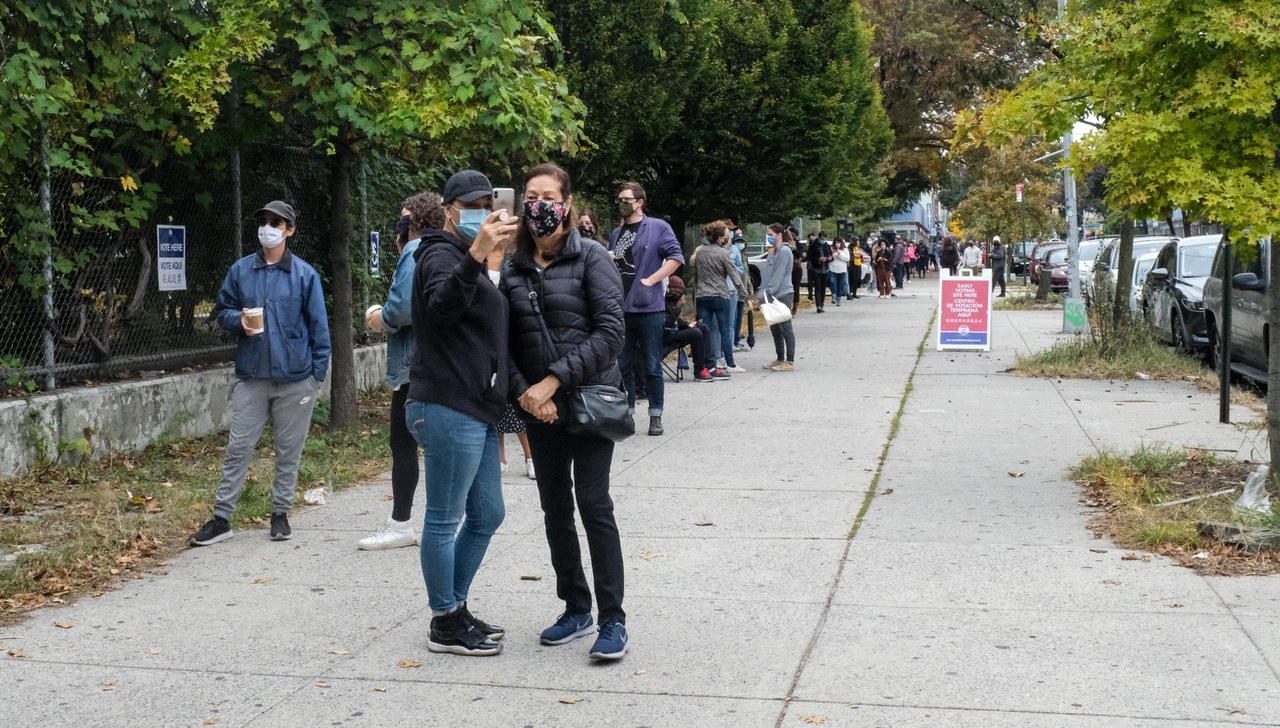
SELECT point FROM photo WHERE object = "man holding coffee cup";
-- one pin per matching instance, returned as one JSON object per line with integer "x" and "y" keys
{"x": 272, "y": 302}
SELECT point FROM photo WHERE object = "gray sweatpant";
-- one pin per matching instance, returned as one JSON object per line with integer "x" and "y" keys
{"x": 253, "y": 401}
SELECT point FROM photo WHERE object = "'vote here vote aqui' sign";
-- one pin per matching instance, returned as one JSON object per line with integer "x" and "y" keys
{"x": 171, "y": 257}
{"x": 964, "y": 321}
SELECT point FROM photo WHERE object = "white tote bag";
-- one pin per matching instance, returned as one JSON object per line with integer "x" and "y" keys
{"x": 775, "y": 311}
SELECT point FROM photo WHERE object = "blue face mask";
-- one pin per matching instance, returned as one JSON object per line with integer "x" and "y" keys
{"x": 771, "y": 239}
{"x": 469, "y": 222}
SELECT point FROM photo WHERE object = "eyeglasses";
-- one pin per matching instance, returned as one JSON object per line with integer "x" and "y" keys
{"x": 272, "y": 221}
{"x": 628, "y": 199}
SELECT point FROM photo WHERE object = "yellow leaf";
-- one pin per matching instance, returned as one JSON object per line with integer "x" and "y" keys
{"x": 813, "y": 719}
{"x": 128, "y": 184}
{"x": 63, "y": 625}
{"x": 406, "y": 662}
{"x": 264, "y": 580}
{"x": 17, "y": 653}
{"x": 570, "y": 701}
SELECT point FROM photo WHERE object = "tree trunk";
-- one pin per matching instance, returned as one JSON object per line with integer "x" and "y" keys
{"x": 344, "y": 410}
{"x": 1124, "y": 273}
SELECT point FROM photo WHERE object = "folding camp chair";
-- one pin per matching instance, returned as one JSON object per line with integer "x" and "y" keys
{"x": 675, "y": 371}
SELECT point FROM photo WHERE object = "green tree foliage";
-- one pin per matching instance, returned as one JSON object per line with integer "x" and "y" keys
{"x": 1189, "y": 96}
{"x": 460, "y": 81}
{"x": 999, "y": 165}
{"x": 935, "y": 58}
{"x": 748, "y": 108}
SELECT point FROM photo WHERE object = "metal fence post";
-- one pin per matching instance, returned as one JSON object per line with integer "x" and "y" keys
{"x": 237, "y": 211}
{"x": 364, "y": 230}
{"x": 46, "y": 203}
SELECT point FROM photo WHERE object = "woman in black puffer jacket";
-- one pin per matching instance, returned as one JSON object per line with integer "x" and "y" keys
{"x": 580, "y": 294}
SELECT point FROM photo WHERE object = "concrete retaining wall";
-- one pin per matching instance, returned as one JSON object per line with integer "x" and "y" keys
{"x": 129, "y": 416}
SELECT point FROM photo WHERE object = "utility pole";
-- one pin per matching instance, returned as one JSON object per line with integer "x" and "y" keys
{"x": 1073, "y": 314}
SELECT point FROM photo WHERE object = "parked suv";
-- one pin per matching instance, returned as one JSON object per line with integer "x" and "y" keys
{"x": 1250, "y": 334}
{"x": 1108, "y": 260}
{"x": 1173, "y": 292}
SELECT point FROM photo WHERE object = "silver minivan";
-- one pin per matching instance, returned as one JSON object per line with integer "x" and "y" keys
{"x": 1249, "y": 329}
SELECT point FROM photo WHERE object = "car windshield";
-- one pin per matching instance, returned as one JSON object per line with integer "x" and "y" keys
{"x": 1057, "y": 256}
{"x": 1195, "y": 260}
{"x": 1088, "y": 251}
{"x": 1141, "y": 249}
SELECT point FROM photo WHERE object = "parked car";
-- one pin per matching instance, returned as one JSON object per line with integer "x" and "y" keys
{"x": 1087, "y": 255}
{"x": 1108, "y": 260}
{"x": 1250, "y": 333}
{"x": 1039, "y": 253}
{"x": 1141, "y": 267}
{"x": 1173, "y": 292}
{"x": 1055, "y": 266}
{"x": 1020, "y": 257}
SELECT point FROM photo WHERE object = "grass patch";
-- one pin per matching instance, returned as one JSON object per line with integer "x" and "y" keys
{"x": 1028, "y": 302}
{"x": 1120, "y": 355}
{"x": 1134, "y": 492}
{"x": 89, "y": 526}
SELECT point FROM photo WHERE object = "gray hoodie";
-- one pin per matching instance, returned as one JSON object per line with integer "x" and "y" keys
{"x": 777, "y": 272}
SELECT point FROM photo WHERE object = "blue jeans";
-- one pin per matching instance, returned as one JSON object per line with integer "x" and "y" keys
{"x": 463, "y": 477}
{"x": 642, "y": 348}
{"x": 839, "y": 285}
{"x": 718, "y": 316}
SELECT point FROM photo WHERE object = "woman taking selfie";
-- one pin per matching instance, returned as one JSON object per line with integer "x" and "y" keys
{"x": 566, "y": 331}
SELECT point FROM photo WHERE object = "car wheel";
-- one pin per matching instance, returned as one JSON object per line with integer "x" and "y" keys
{"x": 1215, "y": 351}
{"x": 1178, "y": 332}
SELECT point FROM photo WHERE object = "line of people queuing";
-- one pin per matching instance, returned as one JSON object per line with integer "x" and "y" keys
{"x": 493, "y": 318}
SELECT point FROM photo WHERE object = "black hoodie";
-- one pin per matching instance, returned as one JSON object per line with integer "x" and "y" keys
{"x": 460, "y": 327}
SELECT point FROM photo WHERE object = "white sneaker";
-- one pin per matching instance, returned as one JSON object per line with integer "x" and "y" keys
{"x": 735, "y": 369}
{"x": 392, "y": 535}
{"x": 528, "y": 469}
{"x": 742, "y": 347}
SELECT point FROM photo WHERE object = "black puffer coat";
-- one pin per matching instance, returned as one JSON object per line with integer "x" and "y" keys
{"x": 581, "y": 297}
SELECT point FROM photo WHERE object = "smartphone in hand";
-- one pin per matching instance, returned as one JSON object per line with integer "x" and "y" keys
{"x": 504, "y": 198}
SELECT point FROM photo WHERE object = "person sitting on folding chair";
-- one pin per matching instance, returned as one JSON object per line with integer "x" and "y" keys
{"x": 677, "y": 333}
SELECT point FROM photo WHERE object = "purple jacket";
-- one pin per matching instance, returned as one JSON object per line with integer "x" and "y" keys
{"x": 655, "y": 244}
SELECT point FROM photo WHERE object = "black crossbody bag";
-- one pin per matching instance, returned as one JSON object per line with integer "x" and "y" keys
{"x": 594, "y": 409}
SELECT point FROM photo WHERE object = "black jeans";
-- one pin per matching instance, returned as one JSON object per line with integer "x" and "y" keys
{"x": 818, "y": 286}
{"x": 784, "y": 335}
{"x": 404, "y": 458}
{"x": 577, "y": 467}
{"x": 997, "y": 278}
{"x": 695, "y": 337}
{"x": 898, "y": 271}
{"x": 796, "y": 274}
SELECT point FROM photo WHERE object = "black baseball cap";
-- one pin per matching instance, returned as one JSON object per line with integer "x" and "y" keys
{"x": 467, "y": 186}
{"x": 283, "y": 209}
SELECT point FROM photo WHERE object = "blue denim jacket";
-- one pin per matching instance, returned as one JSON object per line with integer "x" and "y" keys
{"x": 397, "y": 317}
{"x": 297, "y": 326}
{"x": 735, "y": 256}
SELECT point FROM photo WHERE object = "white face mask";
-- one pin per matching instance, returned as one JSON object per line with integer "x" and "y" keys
{"x": 270, "y": 237}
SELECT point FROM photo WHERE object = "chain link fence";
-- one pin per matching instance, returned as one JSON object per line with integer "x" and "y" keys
{"x": 91, "y": 306}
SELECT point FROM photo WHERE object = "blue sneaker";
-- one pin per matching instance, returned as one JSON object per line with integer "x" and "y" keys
{"x": 568, "y": 627}
{"x": 612, "y": 642}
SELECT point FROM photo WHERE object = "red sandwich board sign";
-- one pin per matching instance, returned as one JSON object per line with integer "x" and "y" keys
{"x": 964, "y": 318}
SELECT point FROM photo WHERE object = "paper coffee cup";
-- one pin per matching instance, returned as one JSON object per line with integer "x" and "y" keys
{"x": 255, "y": 320}
{"x": 369, "y": 311}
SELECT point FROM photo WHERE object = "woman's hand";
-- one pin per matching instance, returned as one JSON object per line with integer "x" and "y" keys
{"x": 495, "y": 233}
{"x": 547, "y": 413}
{"x": 539, "y": 395}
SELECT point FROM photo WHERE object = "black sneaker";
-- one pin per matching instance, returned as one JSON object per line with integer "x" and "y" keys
{"x": 215, "y": 530}
{"x": 492, "y": 631}
{"x": 454, "y": 633}
{"x": 280, "y": 530}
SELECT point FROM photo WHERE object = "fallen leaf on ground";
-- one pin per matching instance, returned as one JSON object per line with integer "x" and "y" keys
{"x": 379, "y": 690}
{"x": 63, "y": 625}
{"x": 410, "y": 663}
{"x": 570, "y": 701}
{"x": 153, "y": 506}
{"x": 704, "y": 523}
{"x": 813, "y": 719}
{"x": 210, "y": 721}
{"x": 17, "y": 653}
{"x": 651, "y": 555}
{"x": 1112, "y": 582}
{"x": 530, "y": 577}
{"x": 388, "y": 497}
{"x": 1098, "y": 551}
{"x": 153, "y": 651}
{"x": 321, "y": 684}
{"x": 108, "y": 687}
{"x": 1135, "y": 557}
{"x": 339, "y": 652}
{"x": 640, "y": 672}
{"x": 886, "y": 491}
{"x": 1233, "y": 711}
{"x": 1016, "y": 473}
{"x": 264, "y": 580}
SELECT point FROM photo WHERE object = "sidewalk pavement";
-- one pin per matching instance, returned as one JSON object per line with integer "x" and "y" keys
{"x": 965, "y": 598}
